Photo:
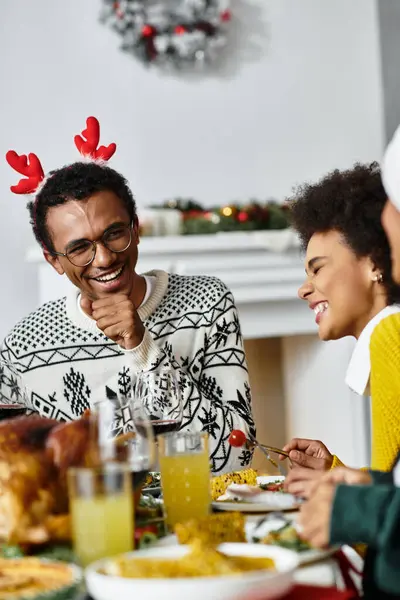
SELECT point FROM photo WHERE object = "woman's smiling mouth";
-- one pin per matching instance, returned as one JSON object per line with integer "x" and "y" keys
{"x": 319, "y": 309}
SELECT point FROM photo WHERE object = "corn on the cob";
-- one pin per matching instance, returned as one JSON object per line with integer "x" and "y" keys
{"x": 212, "y": 530}
{"x": 220, "y": 483}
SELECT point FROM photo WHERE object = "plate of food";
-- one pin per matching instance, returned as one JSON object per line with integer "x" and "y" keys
{"x": 199, "y": 571}
{"x": 149, "y": 521}
{"x": 283, "y": 532}
{"x": 34, "y": 578}
{"x": 152, "y": 484}
{"x": 247, "y": 492}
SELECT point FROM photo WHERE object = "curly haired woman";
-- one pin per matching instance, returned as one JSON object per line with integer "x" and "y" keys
{"x": 350, "y": 288}
{"x": 348, "y": 506}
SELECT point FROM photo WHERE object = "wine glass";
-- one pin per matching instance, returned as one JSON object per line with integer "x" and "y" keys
{"x": 125, "y": 434}
{"x": 14, "y": 397}
{"x": 158, "y": 394}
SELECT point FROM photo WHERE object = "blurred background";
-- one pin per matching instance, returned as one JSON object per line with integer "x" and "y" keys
{"x": 302, "y": 87}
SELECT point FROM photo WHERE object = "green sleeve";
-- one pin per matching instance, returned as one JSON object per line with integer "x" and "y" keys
{"x": 366, "y": 514}
{"x": 382, "y": 477}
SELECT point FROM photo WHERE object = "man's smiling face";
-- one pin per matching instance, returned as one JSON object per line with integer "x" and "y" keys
{"x": 77, "y": 220}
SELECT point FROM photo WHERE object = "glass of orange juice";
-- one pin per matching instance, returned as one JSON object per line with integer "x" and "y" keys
{"x": 185, "y": 476}
{"x": 102, "y": 511}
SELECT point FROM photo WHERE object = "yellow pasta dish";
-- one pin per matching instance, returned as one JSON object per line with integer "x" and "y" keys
{"x": 200, "y": 561}
{"x": 213, "y": 529}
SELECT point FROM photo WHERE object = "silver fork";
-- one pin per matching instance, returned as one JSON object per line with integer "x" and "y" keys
{"x": 268, "y": 457}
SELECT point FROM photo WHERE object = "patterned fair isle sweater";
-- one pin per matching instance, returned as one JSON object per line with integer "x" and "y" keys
{"x": 191, "y": 324}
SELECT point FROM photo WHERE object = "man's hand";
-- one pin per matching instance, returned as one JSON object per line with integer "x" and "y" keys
{"x": 117, "y": 318}
{"x": 309, "y": 453}
{"x": 300, "y": 481}
{"x": 315, "y": 515}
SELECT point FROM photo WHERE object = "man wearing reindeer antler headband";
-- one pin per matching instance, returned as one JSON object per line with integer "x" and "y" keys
{"x": 115, "y": 322}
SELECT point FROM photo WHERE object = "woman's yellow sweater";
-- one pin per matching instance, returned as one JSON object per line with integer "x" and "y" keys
{"x": 385, "y": 394}
{"x": 384, "y": 351}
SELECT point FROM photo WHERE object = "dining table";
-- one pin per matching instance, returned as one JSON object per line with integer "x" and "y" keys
{"x": 334, "y": 574}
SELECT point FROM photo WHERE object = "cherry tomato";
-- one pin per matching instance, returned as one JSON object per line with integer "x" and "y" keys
{"x": 237, "y": 439}
{"x": 145, "y": 535}
{"x": 275, "y": 487}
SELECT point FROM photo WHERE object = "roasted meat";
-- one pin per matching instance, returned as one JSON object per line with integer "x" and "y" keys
{"x": 35, "y": 454}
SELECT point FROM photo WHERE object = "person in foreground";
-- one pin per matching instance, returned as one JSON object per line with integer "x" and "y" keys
{"x": 116, "y": 323}
{"x": 348, "y": 505}
{"x": 350, "y": 288}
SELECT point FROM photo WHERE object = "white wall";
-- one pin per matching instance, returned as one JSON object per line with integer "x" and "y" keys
{"x": 300, "y": 95}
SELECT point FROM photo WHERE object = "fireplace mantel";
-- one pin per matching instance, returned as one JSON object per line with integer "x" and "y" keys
{"x": 264, "y": 271}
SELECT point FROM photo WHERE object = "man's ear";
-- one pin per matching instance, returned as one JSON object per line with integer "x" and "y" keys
{"x": 54, "y": 262}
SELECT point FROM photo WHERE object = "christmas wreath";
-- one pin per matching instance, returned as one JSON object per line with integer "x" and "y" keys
{"x": 179, "y": 34}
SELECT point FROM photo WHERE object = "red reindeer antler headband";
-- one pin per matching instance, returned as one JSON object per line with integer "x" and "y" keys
{"x": 88, "y": 146}
{"x": 31, "y": 168}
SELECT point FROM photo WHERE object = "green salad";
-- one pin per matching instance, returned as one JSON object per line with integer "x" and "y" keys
{"x": 285, "y": 537}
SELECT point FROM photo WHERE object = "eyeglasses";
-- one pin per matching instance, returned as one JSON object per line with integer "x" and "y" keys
{"x": 116, "y": 239}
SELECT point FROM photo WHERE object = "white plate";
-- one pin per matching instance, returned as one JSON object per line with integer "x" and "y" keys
{"x": 269, "y": 479}
{"x": 305, "y": 556}
{"x": 275, "y": 584}
{"x": 272, "y": 501}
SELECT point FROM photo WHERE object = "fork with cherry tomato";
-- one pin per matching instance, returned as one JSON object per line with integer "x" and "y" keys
{"x": 238, "y": 439}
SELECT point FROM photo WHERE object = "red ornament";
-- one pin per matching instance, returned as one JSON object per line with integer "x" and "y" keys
{"x": 226, "y": 16}
{"x": 119, "y": 12}
{"x": 243, "y": 216}
{"x": 179, "y": 29}
{"x": 193, "y": 214}
{"x": 147, "y": 31}
{"x": 237, "y": 438}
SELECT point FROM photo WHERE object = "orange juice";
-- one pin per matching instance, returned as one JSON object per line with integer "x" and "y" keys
{"x": 102, "y": 525}
{"x": 185, "y": 480}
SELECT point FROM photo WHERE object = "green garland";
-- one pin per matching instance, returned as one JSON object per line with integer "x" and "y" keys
{"x": 254, "y": 216}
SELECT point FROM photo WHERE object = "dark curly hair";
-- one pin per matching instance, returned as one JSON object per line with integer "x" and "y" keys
{"x": 78, "y": 181}
{"x": 349, "y": 202}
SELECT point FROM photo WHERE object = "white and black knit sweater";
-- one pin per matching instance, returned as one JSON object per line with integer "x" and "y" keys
{"x": 191, "y": 323}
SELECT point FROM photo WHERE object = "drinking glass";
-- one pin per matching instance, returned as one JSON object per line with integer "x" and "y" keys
{"x": 125, "y": 434}
{"x": 102, "y": 514}
{"x": 185, "y": 476}
{"x": 159, "y": 395}
{"x": 141, "y": 446}
{"x": 14, "y": 397}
